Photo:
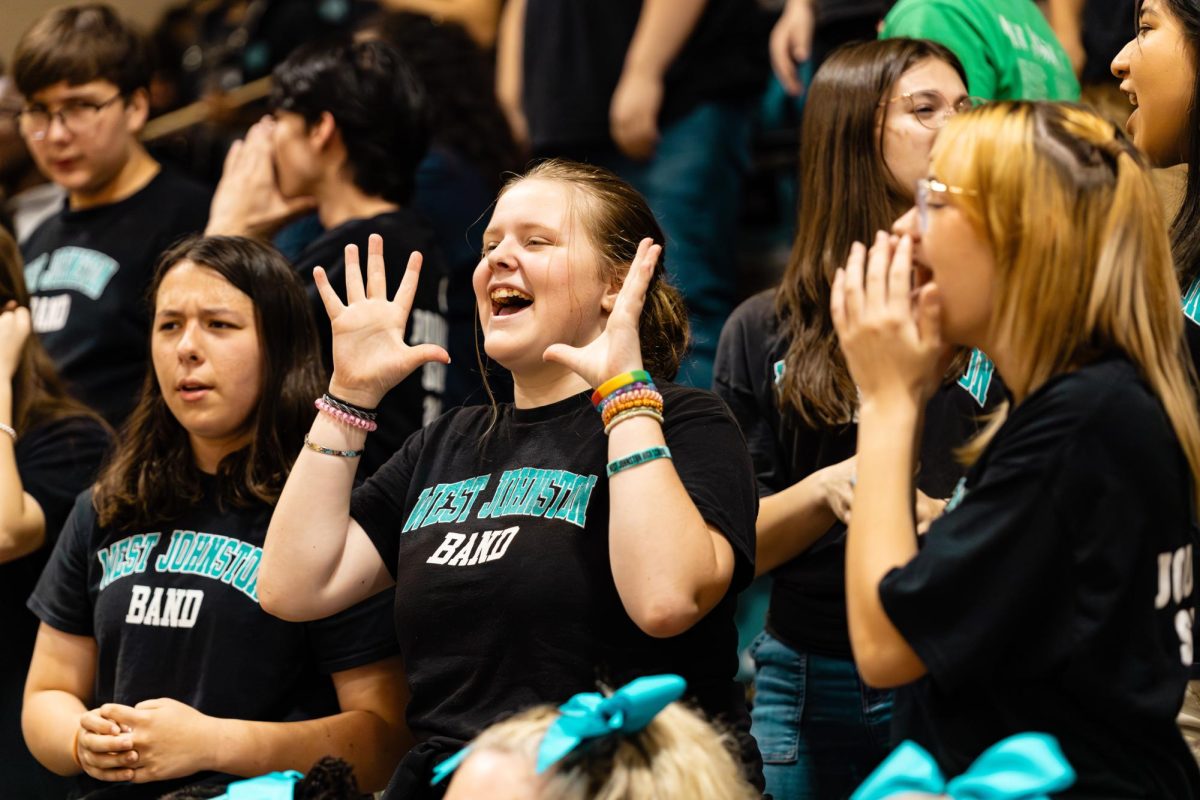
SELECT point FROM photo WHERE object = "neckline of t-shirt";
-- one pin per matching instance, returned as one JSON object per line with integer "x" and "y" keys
{"x": 562, "y": 408}
{"x": 105, "y": 208}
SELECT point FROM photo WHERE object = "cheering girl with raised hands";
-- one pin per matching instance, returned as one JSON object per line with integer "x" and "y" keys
{"x": 1056, "y": 593}
{"x": 536, "y": 547}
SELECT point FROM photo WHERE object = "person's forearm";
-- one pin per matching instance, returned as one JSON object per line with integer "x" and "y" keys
{"x": 509, "y": 55}
{"x": 361, "y": 738}
{"x": 308, "y": 530}
{"x": 49, "y": 720}
{"x": 882, "y": 534}
{"x": 1065, "y": 15}
{"x": 789, "y": 522}
{"x": 477, "y": 17}
{"x": 663, "y": 558}
{"x": 22, "y": 523}
{"x": 662, "y": 30}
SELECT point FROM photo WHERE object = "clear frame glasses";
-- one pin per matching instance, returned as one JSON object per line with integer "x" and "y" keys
{"x": 77, "y": 116}
{"x": 930, "y": 188}
{"x": 932, "y": 109}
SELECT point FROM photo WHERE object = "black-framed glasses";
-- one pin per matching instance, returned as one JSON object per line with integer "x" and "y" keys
{"x": 77, "y": 116}
{"x": 932, "y": 109}
{"x": 928, "y": 188}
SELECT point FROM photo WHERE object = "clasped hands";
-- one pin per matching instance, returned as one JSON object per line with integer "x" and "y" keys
{"x": 152, "y": 741}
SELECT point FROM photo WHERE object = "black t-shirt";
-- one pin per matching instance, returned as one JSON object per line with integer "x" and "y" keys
{"x": 88, "y": 272}
{"x": 808, "y": 593}
{"x": 498, "y": 541}
{"x": 837, "y": 10}
{"x": 574, "y": 53}
{"x": 417, "y": 400}
{"x": 175, "y": 613}
{"x": 1056, "y": 594}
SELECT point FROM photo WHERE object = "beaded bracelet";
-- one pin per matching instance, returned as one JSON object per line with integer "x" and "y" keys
{"x": 10, "y": 430}
{"x": 613, "y": 384}
{"x": 350, "y": 408}
{"x": 344, "y": 417}
{"x": 654, "y": 401}
{"x": 328, "y": 451}
{"x": 630, "y": 414}
{"x": 640, "y": 457}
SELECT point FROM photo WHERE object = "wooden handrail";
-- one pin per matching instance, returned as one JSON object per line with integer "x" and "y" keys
{"x": 201, "y": 111}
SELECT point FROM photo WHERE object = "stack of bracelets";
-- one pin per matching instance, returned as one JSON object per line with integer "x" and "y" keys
{"x": 347, "y": 414}
{"x": 629, "y": 395}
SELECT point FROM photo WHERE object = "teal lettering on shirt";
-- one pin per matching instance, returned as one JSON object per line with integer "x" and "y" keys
{"x": 977, "y": 378}
{"x": 213, "y": 556}
{"x": 126, "y": 557}
{"x": 1191, "y": 301}
{"x": 78, "y": 269}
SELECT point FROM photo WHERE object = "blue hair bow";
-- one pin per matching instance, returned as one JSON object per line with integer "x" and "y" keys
{"x": 590, "y": 715}
{"x": 1028, "y": 766}
{"x": 274, "y": 786}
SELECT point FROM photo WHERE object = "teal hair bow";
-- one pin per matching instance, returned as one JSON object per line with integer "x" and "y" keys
{"x": 591, "y": 715}
{"x": 1028, "y": 766}
{"x": 275, "y": 786}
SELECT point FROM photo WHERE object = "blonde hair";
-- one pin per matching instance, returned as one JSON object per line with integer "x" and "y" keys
{"x": 1082, "y": 259}
{"x": 678, "y": 756}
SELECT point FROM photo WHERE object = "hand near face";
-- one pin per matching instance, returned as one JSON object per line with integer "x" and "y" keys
{"x": 170, "y": 739}
{"x": 247, "y": 201}
{"x": 618, "y": 348}
{"x": 892, "y": 342}
{"x": 103, "y": 747}
{"x": 15, "y": 326}
{"x": 370, "y": 355}
{"x": 633, "y": 114}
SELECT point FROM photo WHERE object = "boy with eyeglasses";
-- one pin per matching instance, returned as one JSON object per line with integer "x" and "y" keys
{"x": 84, "y": 75}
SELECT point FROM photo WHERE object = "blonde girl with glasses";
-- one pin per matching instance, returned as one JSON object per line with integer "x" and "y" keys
{"x": 1056, "y": 592}
{"x": 872, "y": 118}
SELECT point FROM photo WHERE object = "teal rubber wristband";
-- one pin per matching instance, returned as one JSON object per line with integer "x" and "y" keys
{"x": 640, "y": 457}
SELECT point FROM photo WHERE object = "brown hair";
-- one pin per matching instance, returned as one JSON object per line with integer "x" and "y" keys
{"x": 846, "y": 195}
{"x": 38, "y": 394}
{"x": 1082, "y": 259}
{"x": 153, "y": 475}
{"x": 79, "y": 44}
{"x": 616, "y": 218}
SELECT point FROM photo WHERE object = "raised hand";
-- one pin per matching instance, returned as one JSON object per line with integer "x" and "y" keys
{"x": 618, "y": 348}
{"x": 247, "y": 201}
{"x": 15, "y": 326}
{"x": 892, "y": 342}
{"x": 370, "y": 355}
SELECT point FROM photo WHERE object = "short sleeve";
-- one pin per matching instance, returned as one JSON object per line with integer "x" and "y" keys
{"x": 714, "y": 466}
{"x": 380, "y": 504}
{"x": 57, "y": 461}
{"x": 360, "y": 635}
{"x": 742, "y": 377}
{"x": 62, "y": 598}
{"x": 945, "y": 24}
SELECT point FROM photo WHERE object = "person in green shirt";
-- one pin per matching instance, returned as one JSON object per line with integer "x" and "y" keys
{"x": 1007, "y": 46}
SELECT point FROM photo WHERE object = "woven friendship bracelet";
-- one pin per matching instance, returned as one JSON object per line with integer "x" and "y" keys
{"x": 639, "y": 457}
{"x": 350, "y": 408}
{"x": 328, "y": 451}
{"x": 630, "y": 414}
{"x": 344, "y": 417}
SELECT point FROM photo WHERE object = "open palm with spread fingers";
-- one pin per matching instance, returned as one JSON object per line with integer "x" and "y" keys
{"x": 370, "y": 355}
{"x": 891, "y": 339}
{"x": 618, "y": 348}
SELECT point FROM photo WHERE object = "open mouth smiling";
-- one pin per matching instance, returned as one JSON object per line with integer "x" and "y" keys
{"x": 507, "y": 301}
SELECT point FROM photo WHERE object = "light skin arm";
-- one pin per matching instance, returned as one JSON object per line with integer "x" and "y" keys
{"x": 316, "y": 559}
{"x": 791, "y": 42}
{"x": 669, "y": 565}
{"x": 22, "y": 523}
{"x": 1066, "y": 18}
{"x": 894, "y": 353}
{"x": 791, "y": 521}
{"x": 510, "y": 69}
{"x": 478, "y": 17}
{"x": 662, "y": 30}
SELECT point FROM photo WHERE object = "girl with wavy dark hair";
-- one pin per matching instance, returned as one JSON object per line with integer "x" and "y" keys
{"x": 51, "y": 446}
{"x": 873, "y": 114}
{"x": 523, "y": 537}
{"x": 154, "y": 662}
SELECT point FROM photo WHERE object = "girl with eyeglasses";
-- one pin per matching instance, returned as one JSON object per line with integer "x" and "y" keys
{"x": 873, "y": 113}
{"x": 1056, "y": 593}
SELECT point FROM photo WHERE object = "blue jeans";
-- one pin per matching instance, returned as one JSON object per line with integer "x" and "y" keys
{"x": 820, "y": 729}
{"x": 694, "y": 184}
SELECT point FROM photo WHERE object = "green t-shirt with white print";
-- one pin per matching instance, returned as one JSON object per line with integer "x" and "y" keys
{"x": 1006, "y": 46}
